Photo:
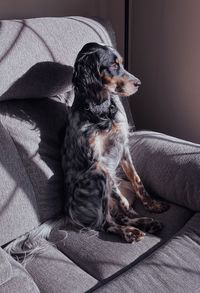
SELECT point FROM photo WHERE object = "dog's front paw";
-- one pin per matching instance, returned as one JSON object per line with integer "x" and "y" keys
{"x": 155, "y": 206}
{"x": 132, "y": 234}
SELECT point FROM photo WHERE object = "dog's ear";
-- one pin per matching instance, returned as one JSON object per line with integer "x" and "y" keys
{"x": 87, "y": 71}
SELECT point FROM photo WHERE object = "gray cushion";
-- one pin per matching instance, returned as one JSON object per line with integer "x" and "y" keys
{"x": 174, "y": 267}
{"x": 18, "y": 203}
{"x": 103, "y": 254}
{"x": 16, "y": 278}
{"x": 5, "y": 267}
{"x": 37, "y": 130}
{"x": 27, "y": 42}
{"x": 53, "y": 272}
{"x": 168, "y": 166}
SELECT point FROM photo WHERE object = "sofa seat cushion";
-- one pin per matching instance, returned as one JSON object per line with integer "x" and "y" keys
{"x": 103, "y": 254}
{"x": 175, "y": 267}
{"x": 14, "y": 277}
{"x": 53, "y": 272}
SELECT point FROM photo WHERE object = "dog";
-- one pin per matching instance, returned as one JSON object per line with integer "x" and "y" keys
{"x": 96, "y": 143}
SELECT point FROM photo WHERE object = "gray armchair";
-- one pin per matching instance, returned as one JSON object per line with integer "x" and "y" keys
{"x": 36, "y": 59}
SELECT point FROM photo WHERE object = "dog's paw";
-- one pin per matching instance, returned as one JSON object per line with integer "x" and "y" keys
{"x": 154, "y": 227}
{"x": 149, "y": 225}
{"x": 132, "y": 234}
{"x": 155, "y": 206}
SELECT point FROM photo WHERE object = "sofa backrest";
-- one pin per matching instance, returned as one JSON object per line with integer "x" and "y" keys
{"x": 31, "y": 129}
{"x": 26, "y": 42}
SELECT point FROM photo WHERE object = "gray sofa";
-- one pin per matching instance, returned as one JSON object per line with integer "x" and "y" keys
{"x": 36, "y": 56}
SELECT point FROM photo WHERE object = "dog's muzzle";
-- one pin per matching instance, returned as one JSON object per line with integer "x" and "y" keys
{"x": 131, "y": 78}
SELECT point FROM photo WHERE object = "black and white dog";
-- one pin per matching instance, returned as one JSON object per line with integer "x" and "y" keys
{"x": 96, "y": 143}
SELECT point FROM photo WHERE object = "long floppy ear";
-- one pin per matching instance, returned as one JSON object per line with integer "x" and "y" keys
{"x": 86, "y": 76}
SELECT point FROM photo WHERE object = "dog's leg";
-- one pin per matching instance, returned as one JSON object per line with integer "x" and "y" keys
{"x": 150, "y": 204}
{"x": 123, "y": 203}
{"x": 126, "y": 216}
{"x": 143, "y": 223}
{"x": 128, "y": 233}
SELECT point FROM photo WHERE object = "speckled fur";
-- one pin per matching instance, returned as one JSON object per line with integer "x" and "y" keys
{"x": 96, "y": 143}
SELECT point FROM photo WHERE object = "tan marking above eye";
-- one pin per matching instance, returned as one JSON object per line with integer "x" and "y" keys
{"x": 119, "y": 60}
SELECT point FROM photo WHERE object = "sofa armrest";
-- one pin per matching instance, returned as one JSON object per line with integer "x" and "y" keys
{"x": 14, "y": 277}
{"x": 5, "y": 267}
{"x": 168, "y": 167}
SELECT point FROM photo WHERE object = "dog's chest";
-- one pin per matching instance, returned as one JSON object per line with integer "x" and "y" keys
{"x": 108, "y": 145}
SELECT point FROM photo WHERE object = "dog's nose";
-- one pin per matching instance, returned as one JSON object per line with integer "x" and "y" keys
{"x": 137, "y": 82}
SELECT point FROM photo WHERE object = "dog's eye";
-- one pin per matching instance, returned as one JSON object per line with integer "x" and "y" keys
{"x": 114, "y": 66}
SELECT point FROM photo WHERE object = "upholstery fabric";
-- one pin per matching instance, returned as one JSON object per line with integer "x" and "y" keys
{"x": 37, "y": 130}
{"x": 53, "y": 272}
{"x": 5, "y": 267}
{"x": 18, "y": 279}
{"x": 168, "y": 166}
{"x": 172, "y": 268}
{"x": 103, "y": 254}
{"x": 18, "y": 203}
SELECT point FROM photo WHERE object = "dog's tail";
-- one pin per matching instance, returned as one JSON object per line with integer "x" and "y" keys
{"x": 27, "y": 246}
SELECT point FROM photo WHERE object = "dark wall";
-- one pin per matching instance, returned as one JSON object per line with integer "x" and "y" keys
{"x": 165, "y": 54}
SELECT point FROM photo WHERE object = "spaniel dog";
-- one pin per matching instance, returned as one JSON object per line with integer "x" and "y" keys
{"x": 96, "y": 143}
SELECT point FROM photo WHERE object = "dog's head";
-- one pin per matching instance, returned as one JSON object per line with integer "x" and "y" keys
{"x": 99, "y": 67}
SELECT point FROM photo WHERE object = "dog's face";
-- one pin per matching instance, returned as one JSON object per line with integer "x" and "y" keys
{"x": 116, "y": 79}
{"x": 101, "y": 64}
